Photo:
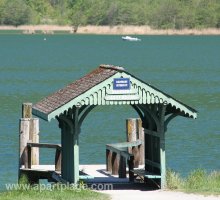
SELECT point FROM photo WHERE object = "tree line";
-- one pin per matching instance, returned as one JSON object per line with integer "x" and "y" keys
{"x": 160, "y": 14}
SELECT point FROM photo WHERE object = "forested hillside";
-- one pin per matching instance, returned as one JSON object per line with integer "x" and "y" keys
{"x": 160, "y": 14}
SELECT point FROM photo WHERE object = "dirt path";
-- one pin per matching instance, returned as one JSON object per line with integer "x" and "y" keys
{"x": 155, "y": 195}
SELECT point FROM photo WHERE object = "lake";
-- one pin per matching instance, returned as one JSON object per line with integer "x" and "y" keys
{"x": 186, "y": 67}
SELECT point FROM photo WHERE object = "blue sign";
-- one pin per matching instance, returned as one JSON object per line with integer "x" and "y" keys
{"x": 121, "y": 84}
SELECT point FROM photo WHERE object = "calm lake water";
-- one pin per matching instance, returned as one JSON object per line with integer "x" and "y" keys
{"x": 186, "y": 67}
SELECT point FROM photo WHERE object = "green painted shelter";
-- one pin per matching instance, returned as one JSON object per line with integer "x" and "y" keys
{"x": 111, "y": 85}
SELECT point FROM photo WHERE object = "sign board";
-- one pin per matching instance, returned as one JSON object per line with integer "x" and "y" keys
{"x": 121, "y": 84}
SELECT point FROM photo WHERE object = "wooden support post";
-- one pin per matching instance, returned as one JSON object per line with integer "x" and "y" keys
{"x": 58, "y": 160}
{"x": 27, "y": 110}
{"x": 70, "y": 147}
{"x": 76, "y": 145}
{"x": 135, "y": 131}
{"x": 131, "y": 168}
{"x": 163, "y": 161}
{"x": 28, "y": 132}
{"x": 122, "y": 167}
{"x": 76, "y": 157}
{"x": 108, "y": 160}
{"x": 162, "y": 146}
{"x": 115, "y": 163}
{"x": 29, "y": 153}
{"x": 68, "y": 151}
{"x": 23, "y": 140}
{"x": 141, "y": 137}
{"x": 34, "y": 137}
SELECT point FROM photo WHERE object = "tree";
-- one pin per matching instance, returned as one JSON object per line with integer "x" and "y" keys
{"x": 15, "y": 13}
{"x": 166, "y": 15}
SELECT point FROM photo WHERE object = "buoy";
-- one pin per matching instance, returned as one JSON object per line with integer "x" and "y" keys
{"x": 45, "y": 39}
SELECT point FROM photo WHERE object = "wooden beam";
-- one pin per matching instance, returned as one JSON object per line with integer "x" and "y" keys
{"x": 139, "y": 111}
{"x": 169, "y": 118}
{"x": 149, "y": 112}
{"x": 85, "y": 113}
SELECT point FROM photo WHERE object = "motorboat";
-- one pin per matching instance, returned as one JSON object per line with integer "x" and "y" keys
{"x": 129, "y": 38}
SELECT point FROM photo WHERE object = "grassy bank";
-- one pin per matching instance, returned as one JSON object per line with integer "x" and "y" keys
{"x": 198, "y": 181}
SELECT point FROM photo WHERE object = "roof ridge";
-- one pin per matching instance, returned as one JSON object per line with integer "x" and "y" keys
{"x": 117, "y": 68}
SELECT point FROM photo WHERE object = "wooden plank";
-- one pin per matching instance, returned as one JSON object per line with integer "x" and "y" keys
{"x": 85, "y": 177}
{"x": 126, "y": 144}
{"x": 44, "y": 145}
{"x": 144, "y": 173}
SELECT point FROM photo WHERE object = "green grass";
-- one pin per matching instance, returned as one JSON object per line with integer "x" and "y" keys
{"x": 52, "y": 195}
{"x": 51, "y": 192}
{"x": 198, "y": 181}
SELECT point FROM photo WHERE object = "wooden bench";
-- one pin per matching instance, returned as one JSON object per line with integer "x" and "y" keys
{"x": 118, "y": 166}
{"x": 44, "y": 145}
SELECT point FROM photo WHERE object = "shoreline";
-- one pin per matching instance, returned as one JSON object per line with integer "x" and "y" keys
{"x": 107, "y": 30}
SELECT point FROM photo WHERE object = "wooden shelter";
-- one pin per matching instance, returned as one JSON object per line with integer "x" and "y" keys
{"x": 111, "y": 85}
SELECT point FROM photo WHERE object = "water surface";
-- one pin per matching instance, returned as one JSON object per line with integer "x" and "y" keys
{"x": 186, "y": 67}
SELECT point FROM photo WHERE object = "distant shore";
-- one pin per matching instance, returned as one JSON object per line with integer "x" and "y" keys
{"x": 106, "y": 30}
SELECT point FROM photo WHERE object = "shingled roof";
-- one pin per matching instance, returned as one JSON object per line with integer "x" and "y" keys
{"x": 67, "y": 95}
{"x": 71, "y": 91}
